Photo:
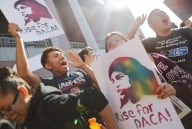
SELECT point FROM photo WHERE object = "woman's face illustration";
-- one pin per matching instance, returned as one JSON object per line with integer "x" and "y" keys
{"x": 120, "y": 82}
{"x": 24, "y": 10}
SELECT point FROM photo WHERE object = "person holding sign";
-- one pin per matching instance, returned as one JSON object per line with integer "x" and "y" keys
{"x": 115, "y": 39}
{"x": 54, "y": 60}
{"x": 143, "y": 111}
{"x": 180, "y": 80}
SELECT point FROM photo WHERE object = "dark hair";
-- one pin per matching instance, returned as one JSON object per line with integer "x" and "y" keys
{"x": 45, "y": 53}
{"x": 150, "y": 16}
{"x": 84, "y": 51}
{"x": 182, "y": 24}
{"x": 111, "y": 34}
{"x": 9, "y": 81}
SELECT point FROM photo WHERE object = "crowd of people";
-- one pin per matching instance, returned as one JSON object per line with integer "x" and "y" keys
{"x": 70, "y": 98}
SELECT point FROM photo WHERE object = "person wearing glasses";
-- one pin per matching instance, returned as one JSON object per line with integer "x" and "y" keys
{"x": 33, "y": 109}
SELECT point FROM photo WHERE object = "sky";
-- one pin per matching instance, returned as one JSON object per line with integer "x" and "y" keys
{"x": 139, "y": 7}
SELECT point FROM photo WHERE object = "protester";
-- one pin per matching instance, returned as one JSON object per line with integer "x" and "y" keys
{"x": 120, "y": 38}
{"x": 138, "y": 22}
{"x": 176, "y": 76}
{"x": 87, "y": 55}
{"x": 169, "y": 71}
{"x": 53, "y": 59}
{"x": 173, "y": 43}
{"x": 48, "y": 107}
{"x": 115, "y": 39}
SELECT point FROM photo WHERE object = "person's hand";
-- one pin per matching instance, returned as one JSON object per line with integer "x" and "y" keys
{"x": 13, "y": 29}
{"x": 74, "y": 59}
{"x": 165, "y": 90}
{"x": 140, "y": 20}
{"x": 102, "y": 126}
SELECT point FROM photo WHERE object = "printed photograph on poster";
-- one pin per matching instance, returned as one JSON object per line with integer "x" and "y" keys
{"x": 33, "y": 17}
{"x": 128, "y": 78}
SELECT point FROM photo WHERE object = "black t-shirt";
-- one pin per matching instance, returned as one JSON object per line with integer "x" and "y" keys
{"x": 177, "y": 46}
{"x": 71, "y": 82}
{"x": 51, "y": 109}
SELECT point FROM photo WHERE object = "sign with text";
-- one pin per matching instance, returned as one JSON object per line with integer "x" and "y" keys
{"x": 33, "y": 17}
{"x": 128, "y": 79}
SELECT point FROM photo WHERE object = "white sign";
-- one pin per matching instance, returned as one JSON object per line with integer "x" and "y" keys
{"x": 33, "y": 17}
{"x": 128, "y": 79}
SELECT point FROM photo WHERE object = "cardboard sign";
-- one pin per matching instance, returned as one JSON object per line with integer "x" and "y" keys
{"x": 33, "y": 17}
{"x": 128, "y": 79}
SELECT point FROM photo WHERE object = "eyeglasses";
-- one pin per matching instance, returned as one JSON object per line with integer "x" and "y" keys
{"x": 9, "y": 109}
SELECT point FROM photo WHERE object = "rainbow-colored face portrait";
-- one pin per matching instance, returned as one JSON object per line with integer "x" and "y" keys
{"x": 131, "y": 79}
{"x": 32, "y": 10}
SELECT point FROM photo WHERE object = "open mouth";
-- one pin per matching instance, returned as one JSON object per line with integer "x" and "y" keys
{"x": 64, "y": 63}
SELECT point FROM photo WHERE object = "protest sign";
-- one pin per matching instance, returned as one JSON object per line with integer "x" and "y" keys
{"x": 33, "y": 17}
{"x": 127, "y": 77}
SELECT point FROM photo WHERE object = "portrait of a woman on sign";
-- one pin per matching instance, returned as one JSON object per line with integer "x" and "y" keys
{"x": 32, "y": 11}
{"x": 131, "y": 79}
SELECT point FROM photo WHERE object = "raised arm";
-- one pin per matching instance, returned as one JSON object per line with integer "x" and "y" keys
{"x": 21, "y": 58}
{"x": 76, "y": 62}
{"x": 138, "y": 22}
